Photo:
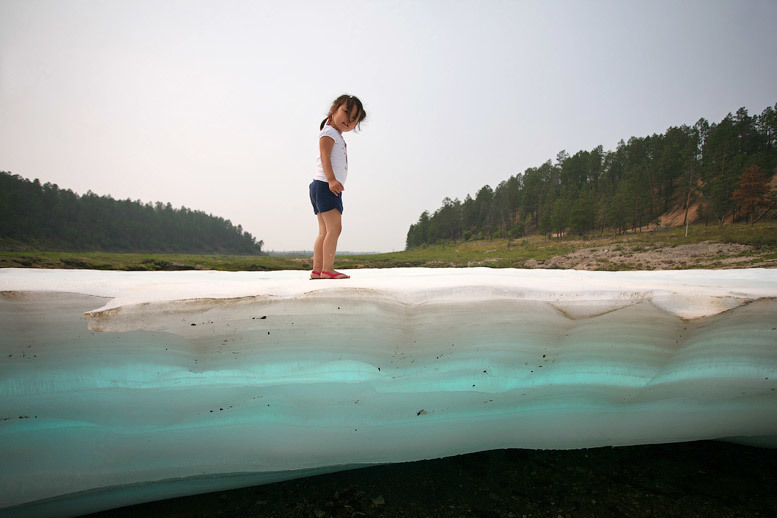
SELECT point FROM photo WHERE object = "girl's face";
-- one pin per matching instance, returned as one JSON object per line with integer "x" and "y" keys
{"x": 344, "y": 121}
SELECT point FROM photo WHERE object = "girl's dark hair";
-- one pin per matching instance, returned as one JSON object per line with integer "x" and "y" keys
{"x": 349, "y": 101}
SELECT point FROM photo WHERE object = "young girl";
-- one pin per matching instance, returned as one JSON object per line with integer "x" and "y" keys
{"x": 326, "y": 191}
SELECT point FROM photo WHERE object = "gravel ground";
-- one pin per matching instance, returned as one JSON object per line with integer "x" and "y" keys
{"x": 698, "y": 479}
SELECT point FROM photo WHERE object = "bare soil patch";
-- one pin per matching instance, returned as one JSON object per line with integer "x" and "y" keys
{"x": 626, "y": 257}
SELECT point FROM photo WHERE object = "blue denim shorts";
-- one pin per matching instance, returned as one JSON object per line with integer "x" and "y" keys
{"x": 324, "y": 200}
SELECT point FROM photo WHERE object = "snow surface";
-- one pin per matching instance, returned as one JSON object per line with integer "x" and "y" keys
{"x": 123, "y": 387}
{"x": 685, "y": 293}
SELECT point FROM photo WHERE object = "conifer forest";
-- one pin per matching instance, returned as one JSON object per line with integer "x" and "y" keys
{"x": 708, "y": 172}
{"x": 45, "y": 217}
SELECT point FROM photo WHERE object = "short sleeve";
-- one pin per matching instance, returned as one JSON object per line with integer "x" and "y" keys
{"x": 330, "y": 132}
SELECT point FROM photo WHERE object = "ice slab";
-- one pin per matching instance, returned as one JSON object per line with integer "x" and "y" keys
{"x": 123, "y": 387}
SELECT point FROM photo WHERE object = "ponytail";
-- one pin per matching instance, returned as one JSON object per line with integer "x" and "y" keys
{"x": 323, "y": 122}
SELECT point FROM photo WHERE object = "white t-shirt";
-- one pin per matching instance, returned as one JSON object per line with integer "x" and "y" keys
{"x": 339, "y": 156}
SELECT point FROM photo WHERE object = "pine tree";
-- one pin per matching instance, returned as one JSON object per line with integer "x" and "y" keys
{"x": 752, "y": 192}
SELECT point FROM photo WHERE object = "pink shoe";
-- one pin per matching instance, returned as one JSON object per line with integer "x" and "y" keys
{"x": 333, "y": 275}
{"x": 314, "y": 275}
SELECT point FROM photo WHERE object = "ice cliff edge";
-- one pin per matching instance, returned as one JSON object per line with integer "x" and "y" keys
{"x": 195, "y": 381}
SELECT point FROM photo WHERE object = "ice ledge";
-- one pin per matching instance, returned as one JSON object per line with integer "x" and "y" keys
{"x": 687, "y": 294}
{"x": 198, "y": 376}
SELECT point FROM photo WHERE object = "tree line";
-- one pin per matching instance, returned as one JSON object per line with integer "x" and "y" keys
{"x": 45, "y": 217}
{"x": 702, "y": 166}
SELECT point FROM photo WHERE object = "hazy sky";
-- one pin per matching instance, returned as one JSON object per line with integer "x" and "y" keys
{"x": 215, "y": 105}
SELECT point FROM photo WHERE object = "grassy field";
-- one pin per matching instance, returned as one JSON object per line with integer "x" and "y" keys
{"x": 735, "y": 246}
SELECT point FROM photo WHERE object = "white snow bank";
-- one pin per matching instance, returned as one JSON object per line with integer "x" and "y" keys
{"x": 685, "y": 293}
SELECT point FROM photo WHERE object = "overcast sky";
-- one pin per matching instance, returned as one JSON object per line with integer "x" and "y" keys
{"x": 215, "y": 106}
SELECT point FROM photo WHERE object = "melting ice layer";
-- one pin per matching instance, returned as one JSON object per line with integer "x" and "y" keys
{"x": 189, "y": 382}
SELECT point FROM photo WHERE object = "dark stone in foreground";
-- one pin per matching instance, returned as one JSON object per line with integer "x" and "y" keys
{"x": 704, "y": 479}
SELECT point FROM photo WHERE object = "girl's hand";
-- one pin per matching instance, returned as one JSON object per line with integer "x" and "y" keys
{"x": 336, "y": 187}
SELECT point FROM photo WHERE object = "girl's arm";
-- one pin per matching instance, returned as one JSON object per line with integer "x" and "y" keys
{"x": 325, "y": 146}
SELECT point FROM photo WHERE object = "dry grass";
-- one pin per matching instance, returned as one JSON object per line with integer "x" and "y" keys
{"x": 729, "y": 246}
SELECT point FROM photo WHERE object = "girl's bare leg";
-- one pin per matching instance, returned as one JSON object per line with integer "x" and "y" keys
{"x": 318, "y": 246}
{"x": 333, "y": 227}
